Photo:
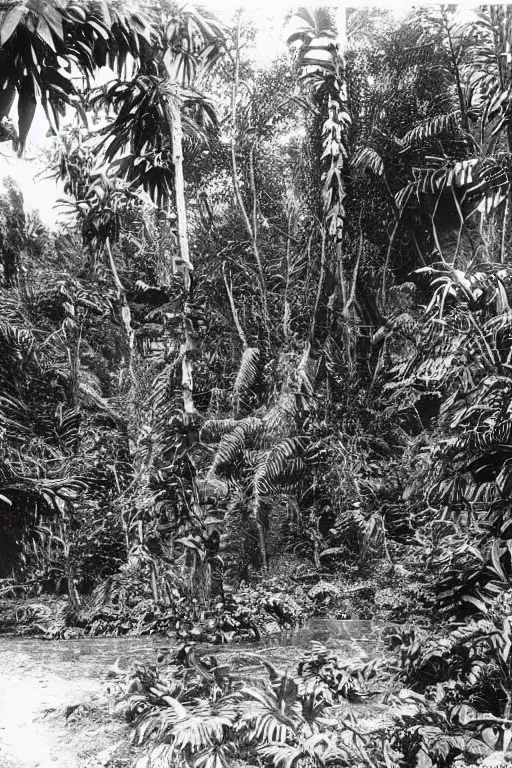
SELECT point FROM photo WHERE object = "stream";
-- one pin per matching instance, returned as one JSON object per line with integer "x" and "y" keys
{"x": 54, "y": 697}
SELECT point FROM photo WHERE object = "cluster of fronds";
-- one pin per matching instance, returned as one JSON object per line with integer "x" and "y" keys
{"x": 54, "y": 418}
{"x": 459, "y": 349}
{"x": 203, "y": 714}
{"x": 347, "y": 679}
{"x": 197, "y": 711}
{"x": 260, "y": 456}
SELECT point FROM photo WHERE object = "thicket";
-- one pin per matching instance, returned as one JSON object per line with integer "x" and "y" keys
{"x": 276, "y": 328}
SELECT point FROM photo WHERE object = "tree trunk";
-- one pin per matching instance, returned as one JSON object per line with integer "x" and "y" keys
{"x": 252, "y": 228}
{"x": 347, "y": 291}
{"x": 126, "y": 315}
{"x": 174, "y": 117}
{"x": 188, "y": 343}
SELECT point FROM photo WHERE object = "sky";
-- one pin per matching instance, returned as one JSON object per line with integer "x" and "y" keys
{"x": 42, "y": 194}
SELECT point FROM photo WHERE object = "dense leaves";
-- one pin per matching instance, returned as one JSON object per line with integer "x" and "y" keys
{"x": 38, "y": 40}
{"x": 277, "y": 322}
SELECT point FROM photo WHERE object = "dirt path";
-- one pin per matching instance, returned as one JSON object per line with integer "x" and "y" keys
{"x": 54, "y": 703}
{"x": 33, "y": 701}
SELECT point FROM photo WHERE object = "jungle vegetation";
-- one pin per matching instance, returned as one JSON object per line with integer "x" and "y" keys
{"x": 273, "y": 335}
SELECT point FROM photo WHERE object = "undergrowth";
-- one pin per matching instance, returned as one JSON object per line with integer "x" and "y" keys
{"x": 430, "y": 699}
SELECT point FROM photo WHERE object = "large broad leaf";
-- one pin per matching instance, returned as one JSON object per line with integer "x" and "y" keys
{"x": 491, "y": 736}
{"x": 463, "y": 714}
{"x": 10, "y": 21}
{"x": 496, "y": 552}
{"x": 480, "y": 184}
{"x": 27, "y": 104}
{"x": 49, "y": 39}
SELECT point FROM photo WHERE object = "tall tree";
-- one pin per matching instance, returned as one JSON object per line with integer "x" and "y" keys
{"x": 157, "y": 113}
{"x": 321, "y": 69}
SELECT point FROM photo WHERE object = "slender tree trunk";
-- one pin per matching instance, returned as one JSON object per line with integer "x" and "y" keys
{"x": 126, "y": 315}
{"x": 320, "y": 289}
{"x": 74, "y": 597}
{"x": 252, "y": 228}
{"x": 456, "y": 71}
{"x": 252, "y": 231}
{"x": 174, "y": 117}
{"x": 188, "y": 343}
{"x": 261, "y": 541}
{"x": 73, "y": 336}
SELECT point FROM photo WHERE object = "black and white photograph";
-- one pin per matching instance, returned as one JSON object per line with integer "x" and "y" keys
{"x": 255, "y": 384}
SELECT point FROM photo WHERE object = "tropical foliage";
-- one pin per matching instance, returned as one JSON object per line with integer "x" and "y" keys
{"x": 262, "y": 368}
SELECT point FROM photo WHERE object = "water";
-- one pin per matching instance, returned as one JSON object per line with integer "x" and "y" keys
{"x": 88, "y": 658}
{"x": 342, "y": 636}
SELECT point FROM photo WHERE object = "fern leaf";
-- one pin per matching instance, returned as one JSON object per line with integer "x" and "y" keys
{"x": 246, "y": 375}
{"x": 403, "y": 195}
{"x": 271, "y": 468}
{"x": 229, "y": 449}
{"x": 214, "y": 429}
{"x": 67, "y": 427}
{"x": 280, "y": 419}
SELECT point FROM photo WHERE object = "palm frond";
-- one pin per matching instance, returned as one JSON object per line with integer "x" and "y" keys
{"x": 280, "y": 418}
{"x": 201, "y": 729}
{"x": 229, "y": 450}
{"x": 214, "y": 429}
{"x": 367, "y": 159}
{"x": 433, "y": 126}
{"x": 277, "y": 465}
{"x": 480, "y": 184}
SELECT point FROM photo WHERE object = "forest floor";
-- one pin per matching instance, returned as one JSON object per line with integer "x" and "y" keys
{"x": 54, "y": 694}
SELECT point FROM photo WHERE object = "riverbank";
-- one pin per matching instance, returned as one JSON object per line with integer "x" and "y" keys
{"x": 55, "y": 707}
{"x": 70, "y": 703}
{"x": 280, "y": 601}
